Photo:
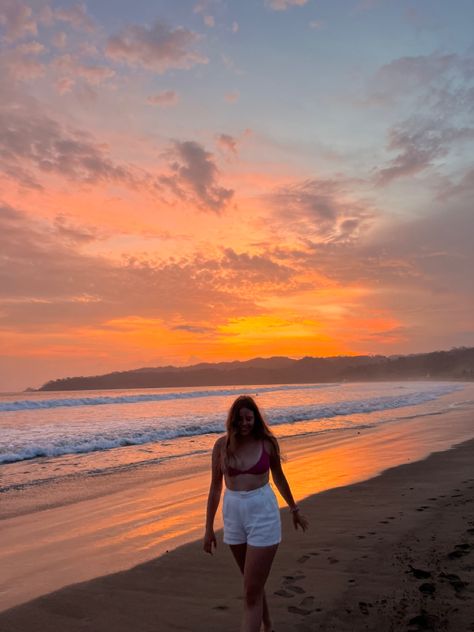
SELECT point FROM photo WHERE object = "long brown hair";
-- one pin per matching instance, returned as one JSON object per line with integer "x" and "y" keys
{"x": 260, "y": 427}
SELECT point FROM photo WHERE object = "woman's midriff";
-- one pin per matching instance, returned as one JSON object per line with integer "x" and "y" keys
{"x": 246, "y": 482}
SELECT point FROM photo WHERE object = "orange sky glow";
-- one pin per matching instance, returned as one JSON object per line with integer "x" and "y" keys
{"x": 178, "y": 189}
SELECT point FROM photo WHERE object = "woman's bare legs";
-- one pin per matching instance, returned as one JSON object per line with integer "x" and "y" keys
{"x": 239, "y": 551}
{"x": 255, "y": 564}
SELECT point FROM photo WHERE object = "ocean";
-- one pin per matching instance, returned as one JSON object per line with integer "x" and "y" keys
{"x": 49, "y": 436}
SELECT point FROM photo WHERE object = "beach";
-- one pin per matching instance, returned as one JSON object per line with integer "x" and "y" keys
{"x": 381, "y": 502}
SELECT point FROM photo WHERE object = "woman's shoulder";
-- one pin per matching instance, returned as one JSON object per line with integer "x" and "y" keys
{"x": 271, "y": 445}
{"x": 220, "y": 442}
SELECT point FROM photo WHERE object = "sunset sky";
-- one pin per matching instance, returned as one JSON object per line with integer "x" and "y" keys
{"x": 187, "y": 181}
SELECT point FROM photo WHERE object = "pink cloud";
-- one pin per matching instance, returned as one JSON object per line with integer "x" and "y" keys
{"x": 165, "y": 98}
{"x": 158, "y": 48}
{"x": 228, "y": 143}
{"x": 76, "y": 16}
{"x": 283, "y": 5}
{"x": 93, "y": 74}
{"x": 64, "y": 85}
{"x": 232, "y": 97}
{"x": 22, "y": 62}
{"x": 59, "y": 39}
{"x": 17, "y": 19}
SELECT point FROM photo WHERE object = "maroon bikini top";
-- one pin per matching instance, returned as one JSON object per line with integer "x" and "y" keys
{"x": 261, "y": 466}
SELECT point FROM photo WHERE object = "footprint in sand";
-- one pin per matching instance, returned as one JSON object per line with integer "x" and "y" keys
{"x": 296, "y": 589}
{"x": 455, "y": 581}
{"x": 418, "y": 573}
{"x": 307, "y": 602}
{"x": 427, "y": 589}
{"x": 293, "y": 578}
{"x": 220, "y": 607}
{"x": 423, "y": 621}
{"x": 296, "y": 610}
{"x": 364, "y": 608}
{"x": 361, "y": 537}
{"x": 303, "y": 559}
{"x": 460, "y": 550}
{"x": 283, "y": 593}
{"x": 333, "y": 560}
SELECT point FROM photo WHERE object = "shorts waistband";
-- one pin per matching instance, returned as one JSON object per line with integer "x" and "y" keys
{"x": 247, "y": 494}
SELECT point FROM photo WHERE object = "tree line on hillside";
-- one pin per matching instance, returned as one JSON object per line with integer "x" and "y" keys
{"x": 456, "y": 364}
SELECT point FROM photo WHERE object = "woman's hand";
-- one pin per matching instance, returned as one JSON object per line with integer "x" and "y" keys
{"x": 209, "y": 541}
{"x": 299, "y": 521}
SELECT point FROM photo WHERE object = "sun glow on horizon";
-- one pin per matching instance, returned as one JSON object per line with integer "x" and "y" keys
{"x": 170, "y": 202}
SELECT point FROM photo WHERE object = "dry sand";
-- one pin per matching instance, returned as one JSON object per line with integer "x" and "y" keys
{"x": 392, "y": 553}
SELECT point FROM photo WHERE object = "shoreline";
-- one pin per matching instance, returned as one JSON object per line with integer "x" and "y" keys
{"x": 54, "y": 492}
{"x": 127, "y": 520}
{"x": 356, "y": 569}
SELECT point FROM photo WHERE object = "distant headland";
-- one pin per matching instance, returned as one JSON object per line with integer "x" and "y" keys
{"x": 456, "y": 364}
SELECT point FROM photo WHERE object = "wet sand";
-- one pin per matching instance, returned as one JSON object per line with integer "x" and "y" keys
{"x": 352, "y": 571}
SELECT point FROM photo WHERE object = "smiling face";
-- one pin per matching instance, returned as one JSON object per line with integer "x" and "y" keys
{"x": 245, "y": 421}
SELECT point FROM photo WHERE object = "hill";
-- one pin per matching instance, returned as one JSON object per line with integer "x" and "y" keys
{"x": 456, "y": 364}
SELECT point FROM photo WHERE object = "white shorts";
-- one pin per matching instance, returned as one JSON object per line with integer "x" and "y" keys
{"x": 252, "y": 517}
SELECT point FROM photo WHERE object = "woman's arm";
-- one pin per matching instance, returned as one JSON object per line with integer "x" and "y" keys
{"x": 214, "y": 497}
{"x": 283, "y": 487}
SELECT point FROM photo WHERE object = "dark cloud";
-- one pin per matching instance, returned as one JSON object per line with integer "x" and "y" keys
{"x": 405, "y": 77}
{"x": 325, "y": 210}
{"x": 195, "y": 174}
{"x": 439, "y": 90}
{"x": 463, "y": 189}
{"x": 420, "y": 142}
{"x": 158, "y": 48}
{"x": 193, "y": 329}
{"x": 33, "y": 145}
{"x": 254, "y": 269}
{"x": 68, "y": 231}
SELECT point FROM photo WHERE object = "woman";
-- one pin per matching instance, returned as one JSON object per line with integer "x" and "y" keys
{"x": 244, "y": 457}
